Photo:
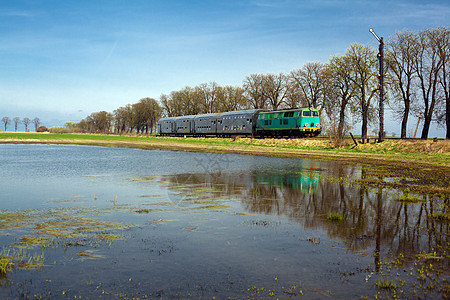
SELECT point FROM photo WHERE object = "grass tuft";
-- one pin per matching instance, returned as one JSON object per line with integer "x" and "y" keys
{"x": 335, "y": 217}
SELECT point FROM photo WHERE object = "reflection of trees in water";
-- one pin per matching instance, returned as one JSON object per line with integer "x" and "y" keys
{"x": 372, "y": 216}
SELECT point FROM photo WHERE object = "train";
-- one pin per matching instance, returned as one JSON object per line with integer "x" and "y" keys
{"x": 295, "y": 122}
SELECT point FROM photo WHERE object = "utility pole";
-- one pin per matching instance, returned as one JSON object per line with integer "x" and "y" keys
{"x": 380, "y": 76}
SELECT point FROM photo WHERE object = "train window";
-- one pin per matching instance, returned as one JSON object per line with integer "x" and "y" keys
{"x": 307, "y": 113}
{"x": 276, "y": 115}
{"x": 315, "y": 113}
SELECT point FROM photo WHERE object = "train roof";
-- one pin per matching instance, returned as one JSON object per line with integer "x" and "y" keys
{"x": 166, "y": 119}
{"x": 241, "y": 112}
{"x": 287, "y": 109}
{"x": 207, "y": 115}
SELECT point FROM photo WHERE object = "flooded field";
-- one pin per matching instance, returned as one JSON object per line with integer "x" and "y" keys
{"x": 91, "y": 222}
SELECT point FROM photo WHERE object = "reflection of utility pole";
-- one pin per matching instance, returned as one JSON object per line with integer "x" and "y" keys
{"x": 378, "y": 221}
{"x": 380, "y": 76}
{"x": 417, "y": 126}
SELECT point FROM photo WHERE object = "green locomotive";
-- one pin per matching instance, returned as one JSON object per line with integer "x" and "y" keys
{"x": 289, "y": 122}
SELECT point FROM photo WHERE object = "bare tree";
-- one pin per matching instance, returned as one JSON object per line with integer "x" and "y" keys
{"x": 400, "y": 59}
{"x": 230, "y": 98}
{"x": 443, "y": 48}
{"x": 146, "y": 112}
{"x": 340, "y": 91}
{"x": 363, "y": 61}
{"x": 275, "y": 88}
{"x": 36, "y": 121}
{"x": 26, "y": 121}
{"x": 185, "y": 102}
{"x": 253, "y": 87}
{"x": 166, "y": 105}
{"x": 6, "y": 121}
{"x": 309, "y": 81}
{"x": 123, "y": 117}
{"x": 428, "y": 65}
{"x": 207, "y": 94}
{"x": 16, "y": 121}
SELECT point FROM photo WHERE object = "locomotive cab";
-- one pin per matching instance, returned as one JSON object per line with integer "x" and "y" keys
{"x": 309, "y": 122}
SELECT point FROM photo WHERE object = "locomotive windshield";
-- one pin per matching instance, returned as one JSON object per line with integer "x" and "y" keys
{"x": 310, "y": 113}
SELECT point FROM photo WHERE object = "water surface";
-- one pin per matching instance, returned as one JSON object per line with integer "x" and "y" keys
{"x": 123, "y": 223}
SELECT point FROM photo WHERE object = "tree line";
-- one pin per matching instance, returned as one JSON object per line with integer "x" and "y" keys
{"x": 25, "y": 121}
{"x": 344, "y": 90}
{"x": 140, "y": 117}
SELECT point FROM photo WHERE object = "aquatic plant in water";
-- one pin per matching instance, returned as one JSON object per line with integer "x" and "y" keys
{"x": 335, "y": 217}
{"x": 12, "y": 258}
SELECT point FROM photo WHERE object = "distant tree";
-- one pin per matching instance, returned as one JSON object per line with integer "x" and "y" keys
{"x": 275, "y": 89}
{"x": 400, "y": 59}
{"x": 99, "y": 121}
{"x": 428, "y": 65}
{"x": 146, "y": 113}
{"x": 253, "y": 87}
{"x": 6, "y": 121}
{"x": 123, "y": 118}
{"x": 309, "y": 83}
{"x": 26, "y": 121}
{"x": 16, "y": 121}
{"x": 36, "y": 121}
{"x": 443, "y": 48}
{"x": 186, "y": 102}
{"x": 167, "y": 106}
{"x": 41, "y": 129}
{"x": 363, "y": 69}
{"x": 206, "y": 94}
{"x": 83, "y": 126}
{"x": 340, "y": 92}
{"x": 230, "y": 98}
{"x": 70, "y": 125}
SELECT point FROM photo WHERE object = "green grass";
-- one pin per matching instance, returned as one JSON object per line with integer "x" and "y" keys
{"x": 335, "y": 217}
{"x": 443, "y": 217}
{"x": 405, "y": 198}
{"x": 385, "y": 284}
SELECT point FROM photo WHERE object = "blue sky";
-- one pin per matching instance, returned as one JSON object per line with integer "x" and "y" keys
{"x": 63, "y": 60}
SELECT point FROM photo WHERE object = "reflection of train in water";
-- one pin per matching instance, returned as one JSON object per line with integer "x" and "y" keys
{"x": 298, "y": 122}
{"x": 305, "y": 183}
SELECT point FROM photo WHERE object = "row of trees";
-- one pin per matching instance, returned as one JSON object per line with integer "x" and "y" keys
{"x": 25, "y": 121}
{"x": 344, "y": 89}
{"x": 140, "y": 117}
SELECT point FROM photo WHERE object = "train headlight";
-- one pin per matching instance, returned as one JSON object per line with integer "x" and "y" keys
{"x": 317, "y": 125}
{"x": 306, "y": 124}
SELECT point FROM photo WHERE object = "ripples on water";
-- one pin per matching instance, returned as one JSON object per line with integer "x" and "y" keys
{"x": 124, "y": 223}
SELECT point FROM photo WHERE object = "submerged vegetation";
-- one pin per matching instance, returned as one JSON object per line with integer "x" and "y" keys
{"x": 335, "y": 217}
{"x": 47, "y": 228}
